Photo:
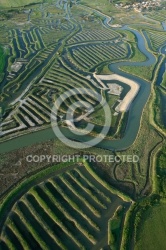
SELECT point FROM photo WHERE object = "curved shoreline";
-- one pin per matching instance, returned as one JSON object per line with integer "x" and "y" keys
{"x": 124, "y": 104}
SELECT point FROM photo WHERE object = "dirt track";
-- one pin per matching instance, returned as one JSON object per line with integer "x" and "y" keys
{"x": 126, "y": 102}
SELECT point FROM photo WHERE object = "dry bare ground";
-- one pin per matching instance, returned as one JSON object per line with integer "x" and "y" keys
{"x": 128, "y": 99}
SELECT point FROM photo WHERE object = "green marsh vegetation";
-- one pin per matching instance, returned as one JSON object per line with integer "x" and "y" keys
{"x": 3, "y": 59}
{"x": 18, "y": 3}
{"x": 163, "y": 84}
{"x": 152, "y": 232}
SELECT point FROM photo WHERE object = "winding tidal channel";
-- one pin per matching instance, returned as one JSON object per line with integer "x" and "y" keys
{"x": 135, "y": 111}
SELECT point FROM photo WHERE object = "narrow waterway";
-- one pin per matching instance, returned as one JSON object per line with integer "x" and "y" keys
{"x": 135, "y": 111}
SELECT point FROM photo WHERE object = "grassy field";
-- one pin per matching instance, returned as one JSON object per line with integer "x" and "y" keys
{"x": 104, "y": 6}
{"x": 137, "y": 55}
{"x": 159, "y": 108}
{"x": 152, "y": 232}
{"x": 114, "y": 227}
{"x": 104, "y": 70}
{"x": 145, "y": 72}
{"x": 2, "y": 59}
{"x": 163, "y": 84}
{"x": 160, "y": 172}
{"x": 10, "y": 3}
{"x": 2, "y": 62}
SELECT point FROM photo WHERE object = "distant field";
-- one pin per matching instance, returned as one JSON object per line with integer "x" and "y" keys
{"x": 103, "y": 5}
{"x": 11, "y": 3}
{"x": 153, "y": 230}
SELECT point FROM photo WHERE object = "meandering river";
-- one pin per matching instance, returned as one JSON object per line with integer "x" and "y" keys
{"x": 135, "y": 111}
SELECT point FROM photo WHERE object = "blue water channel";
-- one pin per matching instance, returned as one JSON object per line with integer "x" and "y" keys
{"x": 135, "y": 111}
